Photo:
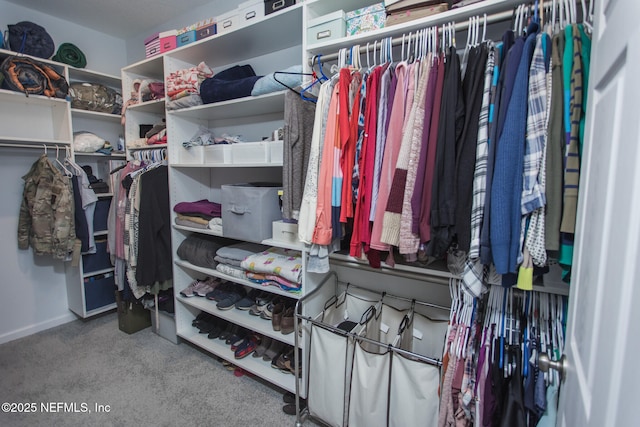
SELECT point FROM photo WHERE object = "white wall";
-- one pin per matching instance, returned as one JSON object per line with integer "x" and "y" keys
{"x": 33, "y": 293}
{"x": 104, "y": 53}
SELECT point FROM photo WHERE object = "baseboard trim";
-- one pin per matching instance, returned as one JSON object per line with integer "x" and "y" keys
{"x": 39, "y": 327}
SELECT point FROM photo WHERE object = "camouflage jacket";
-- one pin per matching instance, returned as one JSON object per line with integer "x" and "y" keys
{"x": 46, "y": 221}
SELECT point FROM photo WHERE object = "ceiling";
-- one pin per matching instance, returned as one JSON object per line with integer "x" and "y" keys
{"x": 120, "y": 18}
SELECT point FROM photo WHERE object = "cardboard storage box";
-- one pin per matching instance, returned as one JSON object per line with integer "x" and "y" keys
{"x": 272, "y": 6}
{"x": 285, "y": 232}
{"x": 99, "y": 291}
{"x": 250, "y": 11}
{"x": 249, "y": 209}
{"x": 207, "y": 31}
{"x": 186, "y": 38}
{"x": 366, "y": 19}
{"x": 132, "y": 317}
{"x": 168, "y": 40}
{"x": 228, "y": 22}
{"x": 327, "y": 27}
{"x": 152, "y": 45}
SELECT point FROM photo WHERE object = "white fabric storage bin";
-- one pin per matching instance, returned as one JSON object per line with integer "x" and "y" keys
{"x": 285, "y": 232}
{"x": 251, "y": 152}
{"x": 332, "y": 355}
{"x": 217, "y": 154}
{"x": 389, "y": 327}
{"x": 249, "y": 209}
{"x": 413, "y": 397}
{"x": 428, "y": 336}
{"x": 191, "y": 155}
{"x": 369, "y": 400}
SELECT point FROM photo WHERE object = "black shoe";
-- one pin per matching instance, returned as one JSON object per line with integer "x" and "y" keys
{"x": 290, "y": 408}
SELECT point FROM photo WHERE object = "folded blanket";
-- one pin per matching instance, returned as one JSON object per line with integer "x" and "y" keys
{"x": 236, "y": 272}
{"x": 200, "y": 250}
{"x": 240, "y": 251}
{"x": 286, "y": 263}
{"x": 69, "y": 53}
{"x": 289, "y": 77}
{"x": 195, "y": 218}
{"x": 189, "y": 223}
{"x": 228, "y": 261}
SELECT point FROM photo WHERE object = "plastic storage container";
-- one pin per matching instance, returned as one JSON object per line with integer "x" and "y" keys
{"x": 272, "y": 6}
{"x": 186, "y": 38}
{"x": 217, "y": 154}
{"x": 251, "y": 152}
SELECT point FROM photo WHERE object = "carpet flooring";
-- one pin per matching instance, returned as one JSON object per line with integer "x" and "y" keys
{"x": 89, "y": 373}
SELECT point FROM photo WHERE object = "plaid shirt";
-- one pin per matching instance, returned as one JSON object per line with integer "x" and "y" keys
{"x": 532, "y": 194}
{"x": 482, "y": 151}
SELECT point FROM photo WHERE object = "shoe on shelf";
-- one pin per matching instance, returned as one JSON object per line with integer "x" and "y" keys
{"x": 288, "y": 321}
{"x": 232, "y": 298}
{"x": 265, "y": 342}
{"x": 217, "y": 330}
{"x": 279, "y": 361}
{"x": 289, "y": 364}
{"x": 189, "y": 290}
{"x": 236, "y": 339}
{"x": 267, "y": 311}
{"x": 247, "y": 347}
{"x": 221, "y": 291}
{"x": 247, "y": 302}
{"x": 228, "y": 331}
{"x": 206, "y": 286}
{"x": 274, "y": 350}
{"x": 276, "y": 316}
{"x": 261, "y": 304}
{"x": 200, "y": 317}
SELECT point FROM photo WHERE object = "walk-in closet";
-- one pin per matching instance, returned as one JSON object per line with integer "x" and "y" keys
{"x": 319, "y": 212}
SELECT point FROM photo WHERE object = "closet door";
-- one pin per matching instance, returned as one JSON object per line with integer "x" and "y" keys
{"x": 602, "y": 344}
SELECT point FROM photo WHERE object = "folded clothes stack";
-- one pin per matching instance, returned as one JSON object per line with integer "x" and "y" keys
{"x": 202, "y": 214}
{"x": 402, "y": 11}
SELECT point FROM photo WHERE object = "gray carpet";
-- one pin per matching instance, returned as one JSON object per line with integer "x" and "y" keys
{"x": 145, "y": 379}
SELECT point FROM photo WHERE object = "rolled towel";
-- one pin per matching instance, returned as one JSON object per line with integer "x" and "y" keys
{"x": 70, "y": 54}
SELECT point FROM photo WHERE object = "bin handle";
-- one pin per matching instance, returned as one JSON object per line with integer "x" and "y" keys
{"x": 238, "y": 210}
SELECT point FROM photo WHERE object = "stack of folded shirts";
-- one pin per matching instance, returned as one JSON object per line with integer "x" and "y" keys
{"x": 201, "y": 214}
{"x": 183, "y": 86}
{"x": 408, "y": 10}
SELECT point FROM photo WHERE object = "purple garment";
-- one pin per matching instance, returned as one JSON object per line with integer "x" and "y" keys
{"x": 416, "y": 197}
{"x": 203, "y": 206}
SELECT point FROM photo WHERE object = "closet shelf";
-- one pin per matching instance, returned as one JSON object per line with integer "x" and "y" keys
{"x": 274, "y": 32}
{"x": 84, "y": 75}
{"x": 155, "y": 106}
{"x": 35, "y": 142}
{"x": 113, "y": 155}
{"x": 239, "y": 317}
{"x": 147, "y": 68}
{"x": 147, "y": 147}
{"x": 14, "y": 97}
{"x": 436, "y": 273}
{"x": 102, "y": 309}
{"x": 240, "y": 107}
{"x": 454, "y": 15}
{"x": 97, "y": 272}
{"x": 245, "y": 282}
{"x": 95, "y": 115}
{"x": 280, "y": 244}
{"x": 251, "y": 364}
{"x": 197, "y": 230}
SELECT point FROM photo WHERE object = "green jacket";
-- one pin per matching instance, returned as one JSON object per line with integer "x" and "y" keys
{"x": 46, "y": 221}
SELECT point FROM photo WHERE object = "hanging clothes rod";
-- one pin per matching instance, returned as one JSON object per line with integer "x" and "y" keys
{"x": 397, "y": 41}
{"x": 37, "y": 145}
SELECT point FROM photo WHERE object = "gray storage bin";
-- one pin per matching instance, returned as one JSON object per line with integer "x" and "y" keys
{"x": 249, "y": 209}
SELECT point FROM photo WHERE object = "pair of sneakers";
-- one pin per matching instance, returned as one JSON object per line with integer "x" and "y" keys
{"x": 227, "y": 295}
{"x": 200, "y": 288}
